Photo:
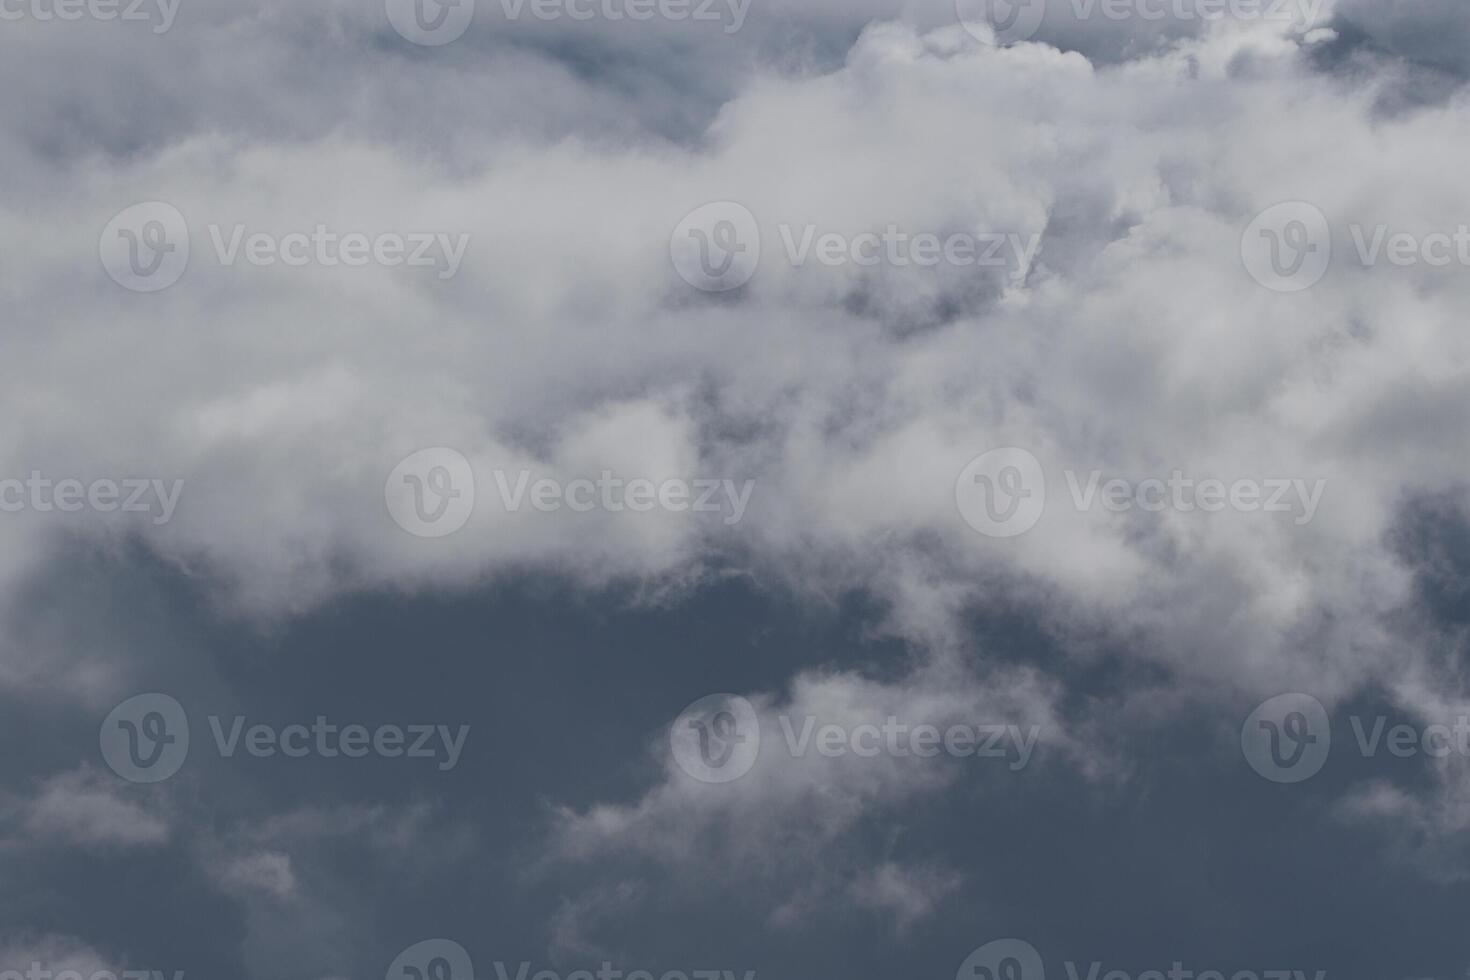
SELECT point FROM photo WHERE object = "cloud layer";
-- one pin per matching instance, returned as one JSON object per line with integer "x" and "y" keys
{"x": 1131, "y": 342}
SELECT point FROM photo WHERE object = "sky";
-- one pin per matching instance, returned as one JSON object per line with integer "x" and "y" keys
{"x": 734, "y": 490}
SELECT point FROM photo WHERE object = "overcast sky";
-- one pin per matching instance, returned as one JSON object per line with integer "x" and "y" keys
{"x": 805, "y": 489}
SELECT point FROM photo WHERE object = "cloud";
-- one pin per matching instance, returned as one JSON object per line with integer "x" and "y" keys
{"x": 789, "y": 829}
{"x": 83, "y": 807}
{"x": 566, "y": 345}
{"x": 295, "y": 874}
{"x": 1133, "y": 344}
{"x": 265, "y": 871}
{"x": 906, "y": 894}
{"x": 56, "y": 953}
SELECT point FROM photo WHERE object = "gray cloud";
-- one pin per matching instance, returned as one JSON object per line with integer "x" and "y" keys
{"x": 1132, "y": 343}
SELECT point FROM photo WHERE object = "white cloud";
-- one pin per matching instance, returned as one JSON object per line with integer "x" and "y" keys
{"x": 265, "y": 871}
{"x": 56, "y": 953}
{"x": 89, "y": 809}
{"x": 907, "y": 894}
{"x": 789, "y": 826}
